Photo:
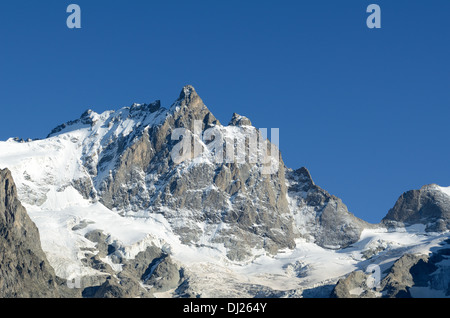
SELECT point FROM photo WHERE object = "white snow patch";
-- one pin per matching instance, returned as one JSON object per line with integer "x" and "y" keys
{"x": 445, "y": 190}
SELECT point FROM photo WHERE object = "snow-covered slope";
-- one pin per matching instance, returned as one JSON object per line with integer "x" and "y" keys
{"x": 232, "y": 230}
{"x": 445, "y": 190}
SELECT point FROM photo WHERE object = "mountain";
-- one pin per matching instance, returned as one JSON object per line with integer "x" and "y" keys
{"x": 429, "y": 205}
{"x": 149, "y": 201}
{"x": 124, "y": 163}
{"x": 411, "y": 274}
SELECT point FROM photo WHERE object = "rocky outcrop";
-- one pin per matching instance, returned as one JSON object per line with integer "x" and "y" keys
{"x": 24, "y": 269}
{"x": 353, "y": 286}
{"x": 320, "y": 216}
{"x": 428, "y": 206}
{"x": 150, "y": 271}
{"x": 238, "y": 120}
{"x": 412, "y": 275}
{"x": 147, "y": 152}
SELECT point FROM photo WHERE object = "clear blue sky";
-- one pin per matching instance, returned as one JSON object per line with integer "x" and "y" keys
{"x": 366, "y": 111}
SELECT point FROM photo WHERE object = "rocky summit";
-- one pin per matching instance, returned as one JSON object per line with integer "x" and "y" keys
{"x": 154, "y": 201}
{"x": 429, "y": 205}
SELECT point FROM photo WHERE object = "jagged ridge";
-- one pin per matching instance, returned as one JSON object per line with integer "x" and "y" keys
{"x": 119, "y": 164}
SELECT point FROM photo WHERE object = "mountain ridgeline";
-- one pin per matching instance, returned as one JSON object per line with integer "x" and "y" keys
{"x": 135, "y": 172}
{"x": 119, "y": 211}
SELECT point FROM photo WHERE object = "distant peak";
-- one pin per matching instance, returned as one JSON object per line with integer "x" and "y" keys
{"x": 188, "y": 90}
{"x": 151, "y": 108}
{"x": 87, "y": 117}
{"x": 5, "y": 174}
{"x": 303, "y": 175}
{"x": 189, "y": 97}
{"x": 238, "y": 120}
{"x": 432, "y": 186}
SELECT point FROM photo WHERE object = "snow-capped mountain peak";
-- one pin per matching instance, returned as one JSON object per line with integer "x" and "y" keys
{"x": 105, "y": 189}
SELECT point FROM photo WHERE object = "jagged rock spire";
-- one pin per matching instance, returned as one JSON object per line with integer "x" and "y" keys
{"x": 238, "y": 120}
{"x": 189, "y": 97}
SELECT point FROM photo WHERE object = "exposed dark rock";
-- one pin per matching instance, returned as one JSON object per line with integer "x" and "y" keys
{"x": 122, "y": 287}
{"x": 150, "y": 271}
{"x": 321, "y": 215}
{"x": 24, "y": 269}
{"x": 163, "y": 275}
{"x": 427, "y": 206}
{"x": 412, "y": 275}
{"x": 238, "y": 120}
{"x": 353, "y": 286}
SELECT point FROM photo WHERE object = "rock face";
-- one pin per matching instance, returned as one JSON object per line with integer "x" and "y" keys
{"x": 24, "y": 269}
{"x": 412, "y": 274}
{"x": 429, "y": 206}
{"x": 353, "y": 286}
{"x": 319, "y": 215}
{"x": 150, "y": 271}
{"x": 238, "y": 120}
